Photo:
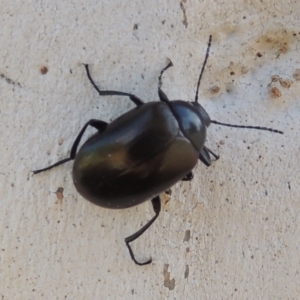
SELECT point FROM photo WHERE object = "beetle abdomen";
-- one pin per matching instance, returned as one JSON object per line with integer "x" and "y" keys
{"x": 113, "y": 189}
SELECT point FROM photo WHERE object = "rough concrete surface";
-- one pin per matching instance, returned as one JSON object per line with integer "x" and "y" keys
{"x": 231, "y": 233}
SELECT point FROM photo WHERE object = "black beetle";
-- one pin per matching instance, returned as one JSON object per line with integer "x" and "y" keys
{"x": 142, "y": 153}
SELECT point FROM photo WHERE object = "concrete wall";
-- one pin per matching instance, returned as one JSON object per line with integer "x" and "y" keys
{"x": 233, "y": 232}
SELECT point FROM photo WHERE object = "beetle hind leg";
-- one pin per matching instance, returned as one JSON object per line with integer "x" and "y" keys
{"x": 98, "y": 124}
{"x": 156, "y": 207}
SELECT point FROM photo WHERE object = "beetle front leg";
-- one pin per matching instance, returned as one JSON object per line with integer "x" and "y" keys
{"x": 205, "y": 157}
{"x": 156, "y": 207}
{"x": 99, "y": 125}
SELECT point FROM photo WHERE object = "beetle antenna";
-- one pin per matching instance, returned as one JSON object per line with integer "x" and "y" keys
{"x": 248, "y": 127}
{"x": 203, "y": 67}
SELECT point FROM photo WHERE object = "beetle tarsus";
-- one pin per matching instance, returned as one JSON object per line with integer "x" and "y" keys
{"x": 156, "y": 207}
{"x": 52, "y": 166}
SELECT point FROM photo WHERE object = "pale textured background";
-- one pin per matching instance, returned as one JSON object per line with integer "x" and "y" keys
{"x": 242, "y": 212}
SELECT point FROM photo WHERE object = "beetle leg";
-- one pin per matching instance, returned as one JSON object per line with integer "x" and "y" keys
{"x": 168, "y": 192}
{"x": 188, "y": 177}
{"x": 99, "y": 125}
{"x": 137, "y": 101}
{"x": 205, "y": 157}
{"x": 156, "y": 207}
{"x": 162, "y": 96}
{"x": 216, "y": 156}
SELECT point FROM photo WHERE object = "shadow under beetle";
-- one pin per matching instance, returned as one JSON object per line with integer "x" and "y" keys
{"x": 142, "y": 153}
